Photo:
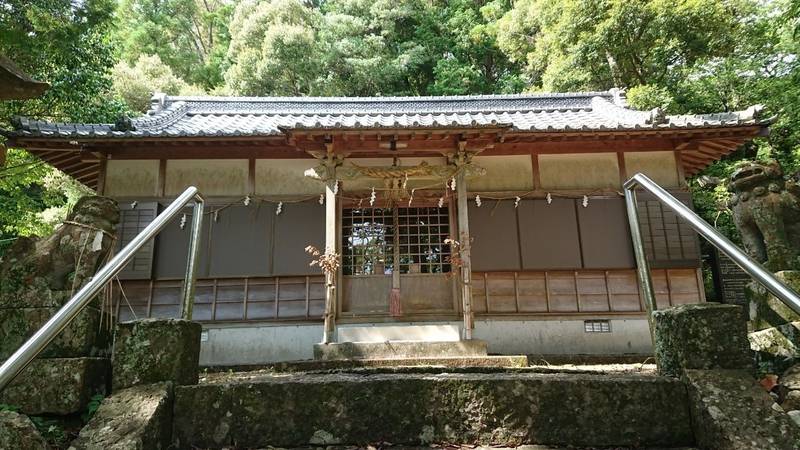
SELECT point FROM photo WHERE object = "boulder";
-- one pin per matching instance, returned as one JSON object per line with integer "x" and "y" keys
{"x": 18, "y": 432}
{"x": 768, "y": 311}
{"x": 791, "y": 378}
{"x": 136, "y": 418}
{"x": 792, "y": 401}
{"x": 155, "y": 350}
{"x": 776, "y": 348}
{"x": 57, "y": 385}
{"x": 84, "y": 336}
{"x": 730, "y": 411}
{"x": 701, "y": 336}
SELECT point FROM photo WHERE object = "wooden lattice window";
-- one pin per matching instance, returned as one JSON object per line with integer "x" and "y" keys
{"x": 374, "y": 238}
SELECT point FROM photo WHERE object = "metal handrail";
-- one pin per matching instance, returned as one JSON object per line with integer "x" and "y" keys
{"x": 717, "y": 239}
{"x": 33, "y": 346}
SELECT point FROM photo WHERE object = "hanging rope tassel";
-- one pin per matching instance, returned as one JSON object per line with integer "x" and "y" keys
{"x": 395, "y": 307}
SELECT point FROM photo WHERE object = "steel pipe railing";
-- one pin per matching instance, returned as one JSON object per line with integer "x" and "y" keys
{"x": 717, "y": 239}
{"x": 33, "y": 346}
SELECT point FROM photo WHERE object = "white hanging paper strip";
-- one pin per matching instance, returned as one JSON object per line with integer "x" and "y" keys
{"x": 453, "y": 183}
{"x": 585, "y": 201}
{"x": 97, "y": 244}
{"x": 133, "y": 205}
{"x": 478, "y": 200}
{"x": 183, "y": 221}
{"x": 336, "y": 187}
{"x": 372, "y": 197}
{"x": 321, "y": 199}
{"x": 279, "y": 209}
{"x": 441, "y": 201}
{"x": 247, "y": 201}
{"x": 516, "y": 202}
{"x": 216, "y": 215}
{"x": 549, "y": 198}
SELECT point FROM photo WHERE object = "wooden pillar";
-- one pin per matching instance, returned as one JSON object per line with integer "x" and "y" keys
{"x": 330, "y": 248}
{"x": 464, "y": 240}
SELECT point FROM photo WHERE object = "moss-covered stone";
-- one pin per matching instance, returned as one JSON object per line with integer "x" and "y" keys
{"x": 137, "y": 418}
{"x": 57, "y": 385}
{"x": 18, "y": 432}
{"x": 701, "y": 336}
{"x": 418, "y": 409}
{"x": 84, "y": 336}
{"x": 32, "y": 297}
{"x": 155, "y": 350}
{"x": 730, "y": 411}
{"x": 777, "y": 348}
{"x": 766, "y": 310}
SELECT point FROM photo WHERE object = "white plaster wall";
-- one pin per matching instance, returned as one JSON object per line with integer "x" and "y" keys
{"x": 548, "y": 337}
{"x": 503, "y": 173}
{"x": 235, "y": 345}
{"x": 260, "y": 344}
{"x": 660, "y": 166}
{"x": 211, "y": 176}
{"x": 131, "y": 177}
{"x": 286, "y": 177}
{"x": 579, "y": 171}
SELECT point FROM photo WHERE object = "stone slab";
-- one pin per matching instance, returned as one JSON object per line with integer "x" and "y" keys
{"x": 766, "y": 310}
{"x": 84, "y": 336}
{"x": 136, "y": 418}
{"x": 155, "y": 350}
{"x": 57, "y": 385}
{"x": 291, "y": 410}
{"x": 399, "y": 349}
{"x": 18, "y": 432}
{"x": 342, "y": 364}
{"x": 730, "y": 411}
{"x": 701, "y": 336}
{"x": 776, "y": 348}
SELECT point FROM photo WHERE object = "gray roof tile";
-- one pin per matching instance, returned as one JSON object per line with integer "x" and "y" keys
{"x": 266, "y": 116}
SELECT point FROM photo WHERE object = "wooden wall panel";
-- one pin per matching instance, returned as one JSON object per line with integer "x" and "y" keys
{"x": 549, "y": 235}
{"x": 532, "y": 291}
{"x": 563, "y": 292}
{"x": 623, "y": 289}
{"x": 605, "y": 235}
{"x": 502, "y": 292}
{"x": 668, "y": 241}
{"x": 241, "y": 239}
{"x": 493, "y": 229}
{"x": 298, "y": 226}
{"x": 172, "y": 247}
{"x": 592, "y": 291}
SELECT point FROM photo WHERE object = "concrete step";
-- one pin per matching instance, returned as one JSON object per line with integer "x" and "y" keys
{"x": 399, "y": 349}
{"x": 261, "y": 409}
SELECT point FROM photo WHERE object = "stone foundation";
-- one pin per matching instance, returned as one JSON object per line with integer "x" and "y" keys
{"x": 730, "y": 411}
{"x": 57, "y": 385}
{"x": 419, "y": 409}
{"x": 400, "y": 349}
{"x": 155, "y": 350}
{"x": 139, "y": 417}
{"x": 701, "y": 336}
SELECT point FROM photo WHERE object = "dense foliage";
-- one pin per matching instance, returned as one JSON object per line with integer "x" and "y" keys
{"x": 105, "y": 57}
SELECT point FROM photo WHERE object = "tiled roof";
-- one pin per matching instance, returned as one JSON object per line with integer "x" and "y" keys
{"x": 267, "y": 116}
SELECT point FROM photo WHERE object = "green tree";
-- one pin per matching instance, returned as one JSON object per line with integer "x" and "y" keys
{"x": 136, "y": 84}
{"x": 274, "y": 49}
{"x": 190, "y": 36}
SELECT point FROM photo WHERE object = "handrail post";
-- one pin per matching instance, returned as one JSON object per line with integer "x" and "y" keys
{"x": 642, "y": 265}
{"x": 191, "y": 261}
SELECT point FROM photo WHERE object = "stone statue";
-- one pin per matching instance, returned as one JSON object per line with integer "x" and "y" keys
{"x": 766, "y": 210}
{"x": 66, "y": 259}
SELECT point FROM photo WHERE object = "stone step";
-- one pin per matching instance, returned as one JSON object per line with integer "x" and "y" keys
{"x": 399, "y": 349}
{"x": 501, "y": 361}
{"x": 253, "y": 410}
